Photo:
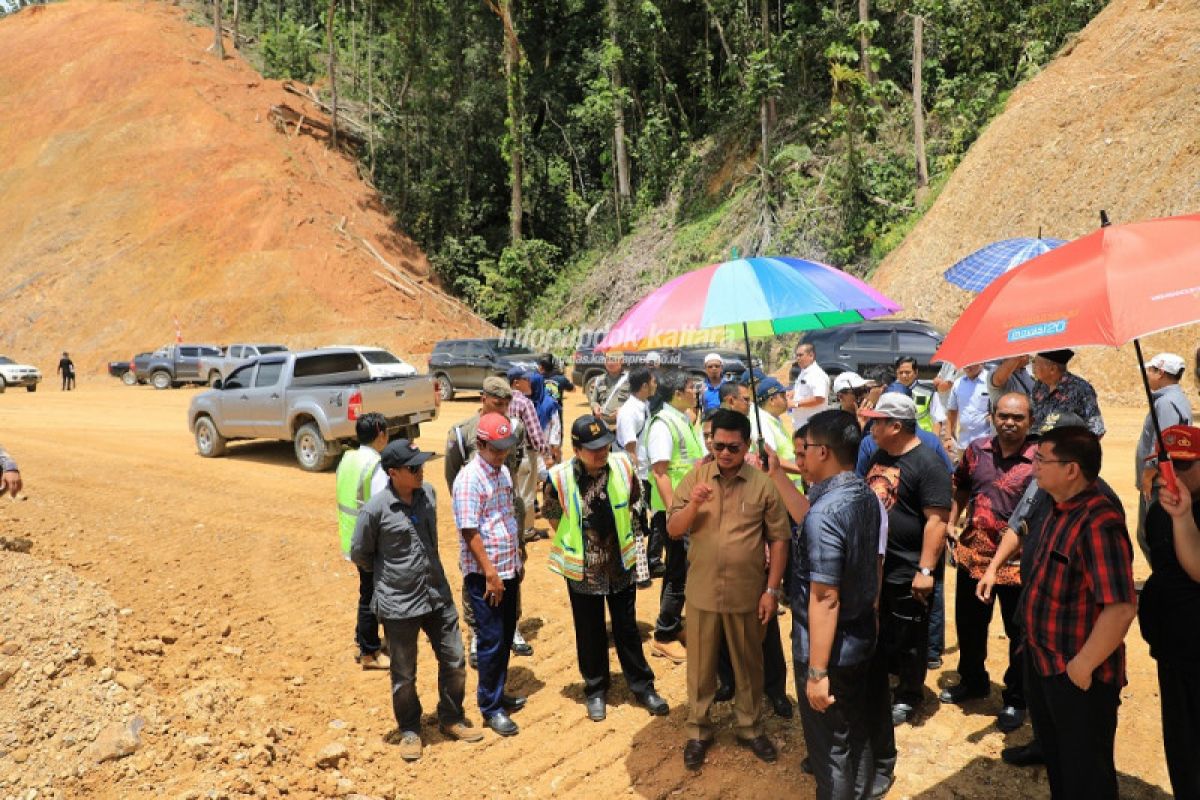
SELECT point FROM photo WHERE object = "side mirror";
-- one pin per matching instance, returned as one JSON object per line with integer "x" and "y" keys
{"x": 218, "y": 384}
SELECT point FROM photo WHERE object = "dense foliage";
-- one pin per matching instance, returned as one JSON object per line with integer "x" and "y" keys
{"x": 456, "y": 112}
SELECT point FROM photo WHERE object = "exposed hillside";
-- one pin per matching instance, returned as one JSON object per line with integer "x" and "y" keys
{"x": 143, "y": 181}
{"x": 1114, "y": 123}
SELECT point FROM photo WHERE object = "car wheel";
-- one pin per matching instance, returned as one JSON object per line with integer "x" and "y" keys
{"x": 209, "y": 441}
{"x": 312, "y": 451}
{"x": 3, "y": 385}
{"x": 128, "y": 378}
{"x": 445, "y": 387}
{"x": 213, "y": 377}
{"x": 161, "y": 379}
{"x": 31, "y": 388}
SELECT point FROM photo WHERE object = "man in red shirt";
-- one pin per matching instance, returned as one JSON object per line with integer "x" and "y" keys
{"x": 1077, "y": 607}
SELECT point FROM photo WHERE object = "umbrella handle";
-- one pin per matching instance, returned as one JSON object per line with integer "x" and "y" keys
{"x": 1166, "y": 471}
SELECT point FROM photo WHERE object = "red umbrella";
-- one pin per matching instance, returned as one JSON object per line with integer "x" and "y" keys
{"x": 1107, "y": 288}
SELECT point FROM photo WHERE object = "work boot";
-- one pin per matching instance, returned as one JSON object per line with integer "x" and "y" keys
{"x": 377, "y": 660}
{"x": 672, "y": 651}
{"x": 410, "y": 746}
{"x": 462, "y": 731}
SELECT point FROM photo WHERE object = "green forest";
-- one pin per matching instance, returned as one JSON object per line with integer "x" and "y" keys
{"x": 511, "y": 138}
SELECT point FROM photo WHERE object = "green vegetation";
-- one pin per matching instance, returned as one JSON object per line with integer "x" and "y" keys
{"x": 519, "y": 142}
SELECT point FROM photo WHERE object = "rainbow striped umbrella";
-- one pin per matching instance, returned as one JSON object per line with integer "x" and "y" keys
{"x": 762, "y": 296}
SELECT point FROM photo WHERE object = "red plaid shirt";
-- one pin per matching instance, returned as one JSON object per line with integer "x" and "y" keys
{"x": 1083, "y": 562}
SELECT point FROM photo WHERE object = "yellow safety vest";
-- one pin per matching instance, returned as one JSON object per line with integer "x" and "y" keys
{"x": 354, "y": 474}
{"x": 566, "y": 551}
{"x": 786, "y": 446}
{"x": 683, "y": 437}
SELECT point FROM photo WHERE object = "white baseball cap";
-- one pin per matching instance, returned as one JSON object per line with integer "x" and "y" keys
{"x": 1169, "y": 363}
{"x": 847, "y": 381}
{"x": 711, "y": 357}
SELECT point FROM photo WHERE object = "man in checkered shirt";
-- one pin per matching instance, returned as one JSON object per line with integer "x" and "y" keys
{"x": 1078, "y": 604}
{"x": 490, "y": 559}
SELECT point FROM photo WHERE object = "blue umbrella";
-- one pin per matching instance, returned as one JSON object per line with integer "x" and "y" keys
{"x": 979, "y": 269}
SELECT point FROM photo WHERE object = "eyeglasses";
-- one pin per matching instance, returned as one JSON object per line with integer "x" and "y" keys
{"x": 1037, "y": 457}
{"x": 727, "y": 447}
{"x": 1183, "y": 466}
{"x": 807, "y": 445}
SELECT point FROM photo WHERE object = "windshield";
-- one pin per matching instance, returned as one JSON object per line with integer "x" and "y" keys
{"x": 513, "y": 350}
{"x": 6, "y": 360}
{"x": 263, "y": 349}
{"x": 380, "y": 357}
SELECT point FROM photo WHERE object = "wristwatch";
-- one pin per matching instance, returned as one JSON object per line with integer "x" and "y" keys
{"x": 926, "y": 571}
{"x": 815, "y": 674}
{"x": 773, "y": 592}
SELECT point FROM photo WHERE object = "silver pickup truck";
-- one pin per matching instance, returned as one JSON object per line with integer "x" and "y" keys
{"x": 215, "y": 368}
{"x": 312, "y": 398}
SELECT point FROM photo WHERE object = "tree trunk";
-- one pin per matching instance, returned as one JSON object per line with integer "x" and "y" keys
{"x": 766, "y": 119}
{"x": 333, "y": 96}
{"x": 236, "y": 20}
{"x": 516, "y": 118}
{"x": 765, "y": 13}
{"x": 864, "y": 42}
{"x": 918, "y": 56}
{"x": 620, "y": 155}
{"x": 218, "y": 46}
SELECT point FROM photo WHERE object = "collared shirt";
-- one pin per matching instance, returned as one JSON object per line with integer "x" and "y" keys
{"x": 1083, "y": 562}
{"x": 726, "y": 560}
{"x": 899, "y": 388}
{"x": 811, "y": 382}
{"x": 603, "y": 570}
{"x": 398, "y": 544}
{"x": 1072, "y": 394}
{"x": 609, "y": 392}
{"x": 1020, "y": 382}
{"x": 838, "y": 545}
{"x": 1172, "y": 408}
{"x": 522, "y": 408}
{"x": 995, "y": 485}
{"x": 483, "y": 501}
{"x": 712, "y": 395}
{"x": 969, "y": 398}
{"x": 631, "y": 419}
{"x": 660, "y": 438}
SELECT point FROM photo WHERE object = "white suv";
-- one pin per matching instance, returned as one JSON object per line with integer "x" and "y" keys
{"x": 14, "y": 374}
{"x": 381, "y": 363}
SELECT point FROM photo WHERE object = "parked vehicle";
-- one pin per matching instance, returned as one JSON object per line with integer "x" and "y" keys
{"x": 125, "y": 370}
{"x": 175, "y": 365}
{"x": 586, "y": 363}
{"x": 459, "y": 364}
{"x": 14, "y": 374}
{"x": 312, "y": 398}
{"x": 382, "y": 363}
{"x": 862, "y": 345}
{"x": 215, "y": 368}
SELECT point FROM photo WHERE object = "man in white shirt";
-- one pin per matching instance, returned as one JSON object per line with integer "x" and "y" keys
{"x": 631, "y": 420}
{"x": 810, "y": 395}
{"x": 967, "y": 417}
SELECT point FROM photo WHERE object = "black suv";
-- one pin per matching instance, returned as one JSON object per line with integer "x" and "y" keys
{"x": 587, "y": 363}
{"x": 464, "y": 363}
{"x": 856, "y": 347}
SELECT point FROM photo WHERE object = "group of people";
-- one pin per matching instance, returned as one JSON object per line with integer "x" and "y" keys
{"x": 849, "y": 514}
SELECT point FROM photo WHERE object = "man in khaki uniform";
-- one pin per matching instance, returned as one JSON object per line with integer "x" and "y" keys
{"x": 608, "y": 392}
{"x": 732, "y": 512}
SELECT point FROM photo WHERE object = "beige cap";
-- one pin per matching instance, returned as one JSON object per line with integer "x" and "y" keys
{"x": 496, "y": 387}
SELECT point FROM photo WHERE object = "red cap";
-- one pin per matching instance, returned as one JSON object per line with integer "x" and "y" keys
{"x": 496, "y": 430}
{"x": 1183, "y": 442}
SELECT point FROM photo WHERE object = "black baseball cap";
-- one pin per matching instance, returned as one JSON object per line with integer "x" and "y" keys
{"x": 402, "y": 453}
{"x": 590, "y": 433}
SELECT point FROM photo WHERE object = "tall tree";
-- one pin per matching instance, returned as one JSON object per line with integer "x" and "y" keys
{"x": 918, "y": 113}
{"x": 864, "y": 41}
{"x": 333, "y": 88}
{"x": 620, "y": 154}
{"x": 516, "y": 115}
{"x": 218, "y": 46}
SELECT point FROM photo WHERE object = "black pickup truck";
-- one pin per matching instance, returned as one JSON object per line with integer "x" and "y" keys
{"x": 587, "y": 363}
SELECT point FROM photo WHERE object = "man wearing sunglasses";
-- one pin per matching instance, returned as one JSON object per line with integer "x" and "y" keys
{"x": 395, "y": 539}
{"x": 731, "y": 512}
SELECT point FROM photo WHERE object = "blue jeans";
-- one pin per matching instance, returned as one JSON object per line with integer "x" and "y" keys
{"x": 494, "y": 629}
{"x": 366, "y": 632}
{"x": 441, "y": 626}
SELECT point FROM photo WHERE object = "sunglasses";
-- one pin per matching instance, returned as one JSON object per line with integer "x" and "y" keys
{"x": 726, "y": 447}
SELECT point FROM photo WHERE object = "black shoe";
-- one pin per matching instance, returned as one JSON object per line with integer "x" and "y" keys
{"x": 502, "y": 724}
{"x": 1027, "y": 755}
{"x": 694, "y": 751}
{"x": 961, "y": 693}
{"x": 1010, "y": 718}
{"x": 934, "y": 662}
{"x": 652, "y": 701}
{"x": 724, "y": 693}
{"x": 761, "y": 746}
{"x": 512, "y": 702}
{"x": 657, "y": 569}
{"x": 596, "y": 710}
{"x": 522, "y": 648}
{"x": 781, "y": 706}
{"x": 646, "y": 584}
{"x": 806, "y": 765}
{"x": 881, "y": 788}
{"x": 902, "y": 713}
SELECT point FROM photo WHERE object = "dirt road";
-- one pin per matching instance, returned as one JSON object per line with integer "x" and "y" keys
{"x": 235, "y": 561}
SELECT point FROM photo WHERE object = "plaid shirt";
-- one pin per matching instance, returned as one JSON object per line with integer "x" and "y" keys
{"x": 522, "y": 408}
{"x": 1073, "y": 394}
{"x": 1083, "y": 562}
{"x": 483, "y": 500}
